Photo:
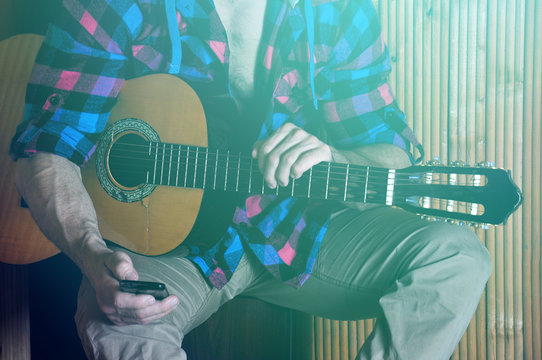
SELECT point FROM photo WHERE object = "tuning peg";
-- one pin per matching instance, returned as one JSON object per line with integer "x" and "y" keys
{"x": 480, "y": 225}
{"x": 485, "y": 164}
{"x": 434, "y": 162}
{"x": 458, "y": 163}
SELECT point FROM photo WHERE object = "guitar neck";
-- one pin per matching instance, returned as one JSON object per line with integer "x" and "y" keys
{"x": 215, "y": 169}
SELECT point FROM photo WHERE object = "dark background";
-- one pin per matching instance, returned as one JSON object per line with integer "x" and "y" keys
{"x": 53, "y": 283}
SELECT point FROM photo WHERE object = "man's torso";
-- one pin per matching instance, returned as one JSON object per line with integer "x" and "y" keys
{"x": 243, "y": 22}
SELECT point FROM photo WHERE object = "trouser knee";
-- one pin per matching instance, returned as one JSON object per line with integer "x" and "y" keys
{"x": 456, "y": 251}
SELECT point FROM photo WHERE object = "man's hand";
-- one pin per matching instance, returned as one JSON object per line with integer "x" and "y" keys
{"x": 60, "y": 204}
{"x": 120, "y": 307}
{"x": 288, "y": 153}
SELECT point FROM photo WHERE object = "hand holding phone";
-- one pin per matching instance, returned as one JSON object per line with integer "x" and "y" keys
{"x": 156, "y": 289}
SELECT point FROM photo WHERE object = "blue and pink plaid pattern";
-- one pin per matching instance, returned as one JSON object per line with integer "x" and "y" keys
{"x": 96, "y": 44}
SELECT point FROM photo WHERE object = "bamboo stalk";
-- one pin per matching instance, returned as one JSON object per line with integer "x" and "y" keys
{"x": 409, "y": 60}
{"x": 335, "y": 334}
{"x": 327, "y": 339}
{"x": 398, "y": 14}
{"x": 353, "y": 344}
{"x": 527, "y": 185}
{"x": 444, "y": 82}
{"x": 391, "y": 36}
{"x": 536, "y": 218}
{"x": 418, "y": 70}
{"x": 469, "y": 95}
{"x": 433, "y": 110}
{"x": 512, "y": 93}
{"x": 319, "y": 335}
{"x": 491, "y": 343}
{"x": 517, "y": 170}
{"x": 480, "y": 154}
{"x": 500, "y": 159}
{"x": 343, "y": 330}
{"x": 453, "y": 86}
{"x": 466, "y": 124}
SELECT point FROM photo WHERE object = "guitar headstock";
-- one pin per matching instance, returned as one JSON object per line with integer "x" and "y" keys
{"x": 480, "y": 195}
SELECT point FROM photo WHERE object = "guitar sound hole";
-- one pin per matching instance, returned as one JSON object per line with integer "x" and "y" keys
{"x": 128, "y": 161}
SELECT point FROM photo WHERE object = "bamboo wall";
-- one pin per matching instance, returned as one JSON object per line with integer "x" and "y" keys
{"x": 468, "y": 75}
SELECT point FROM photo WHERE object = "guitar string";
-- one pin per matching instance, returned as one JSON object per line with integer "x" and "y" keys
{"x": 192, "y": 151}
{"x": 435, "y": 202}
{"x": 439, "y": 203}
{"x": 302, "y": 182}
{"x": 337, "y": 177}
{"x": 340, "y": 172}
{"x": 318, "y": 174}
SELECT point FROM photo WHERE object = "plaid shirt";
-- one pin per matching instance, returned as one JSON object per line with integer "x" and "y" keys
{"x": 321, "y": 63}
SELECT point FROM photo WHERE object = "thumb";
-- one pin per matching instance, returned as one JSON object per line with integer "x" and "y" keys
{"x": 120, "y": 264}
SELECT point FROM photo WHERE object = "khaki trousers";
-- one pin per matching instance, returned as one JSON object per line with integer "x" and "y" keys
{"x": 421, "y": 280}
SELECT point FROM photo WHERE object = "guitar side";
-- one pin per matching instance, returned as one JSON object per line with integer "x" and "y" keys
{"x": 21, "y": 241}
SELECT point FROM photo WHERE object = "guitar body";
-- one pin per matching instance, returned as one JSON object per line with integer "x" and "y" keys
{"x": 152, "y": 226}
{"x": 161, "y": 221}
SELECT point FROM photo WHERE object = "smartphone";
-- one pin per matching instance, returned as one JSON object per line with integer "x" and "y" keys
{"x": 156, "y": 289}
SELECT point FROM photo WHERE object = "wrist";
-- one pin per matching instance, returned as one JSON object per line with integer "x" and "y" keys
{"x": 90, "y": 256}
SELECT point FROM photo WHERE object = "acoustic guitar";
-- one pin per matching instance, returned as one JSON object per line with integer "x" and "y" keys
{"x": 152, "y": 166}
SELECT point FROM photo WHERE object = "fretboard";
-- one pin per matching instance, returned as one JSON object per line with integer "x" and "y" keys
{"x": 215, "y": 169}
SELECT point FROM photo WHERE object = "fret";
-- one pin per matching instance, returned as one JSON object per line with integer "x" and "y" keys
{"x": 149, "y": 156}
{"x": 196, "y": 167}
{"x": 250, "y": 175}
{"x": 163, "y": 159}
{"x": 310, "y": 181}
{"x": 263, "y": 185}
{"x": 216, "y": 170}
{"x": 346, "y": 181}
{"x": 277, "y": 189}
{"x": 293, "y": 186}
{"x": 155, "y": 162}
{"x": 178, "y": 164}
{"x": 327, "y": 180}
{"x": 205, "y": 168}
{"x": 390, "y": 187}
{"x": 366, "y": 185}
{"x": 170, "y": 162}
{"x": 226, "y": 175}
{"x": 238, "y": 168}
{"x": 186, "y": 166}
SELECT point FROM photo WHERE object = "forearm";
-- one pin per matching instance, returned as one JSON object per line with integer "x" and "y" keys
{"x": 58, "y": 201}
{"x": 378, "y": 155}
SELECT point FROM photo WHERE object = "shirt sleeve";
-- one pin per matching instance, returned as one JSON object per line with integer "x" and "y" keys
{"x": 356, "y": 102}
{"x": 76, "y": 78}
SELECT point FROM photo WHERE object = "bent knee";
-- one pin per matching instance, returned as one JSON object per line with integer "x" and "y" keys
{"x": 459, "y": 247}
